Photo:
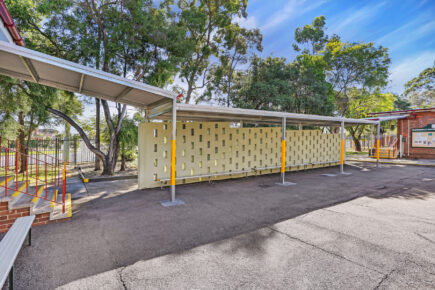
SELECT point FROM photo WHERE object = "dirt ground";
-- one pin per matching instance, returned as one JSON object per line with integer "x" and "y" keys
{"x": 373, "y": 229}
{"x": 89, "y": 172}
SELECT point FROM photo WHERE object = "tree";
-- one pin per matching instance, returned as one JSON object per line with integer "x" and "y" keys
{"x": 128, "y": 38}
{"x": 273, "y": 84}
{"x": 361, "y": 103}
{"x": 355, "y": 65}
{"x": 128, "y": 139}
{"x": 311, "y": 93}
{"x": 401, "y": 104}
{"x": 24, "y": 110}
{"x": 206, "y": 22}
{"x": 234, "y": 52}
{"x": 264, "y": 86}
{"x": 420, "y": 91}
{"x": 311, "y": 39}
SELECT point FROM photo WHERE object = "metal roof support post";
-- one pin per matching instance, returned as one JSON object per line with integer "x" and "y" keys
{"x": 173, "y": 200}
{"x": 283, "y": 145}
{"x": 342, "y": 149}
{"x": 378, "y": 139}
{"x": 173, "y": 147}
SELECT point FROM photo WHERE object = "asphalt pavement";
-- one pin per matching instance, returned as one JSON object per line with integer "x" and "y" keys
{"x": 373, "y": 229}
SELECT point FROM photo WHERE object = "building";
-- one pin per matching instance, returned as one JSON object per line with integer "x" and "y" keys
{"x": 416, "y": 131}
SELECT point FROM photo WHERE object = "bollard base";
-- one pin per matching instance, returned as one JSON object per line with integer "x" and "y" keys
{"x": 286, "y": 183}
{"x": 168, "y": 203}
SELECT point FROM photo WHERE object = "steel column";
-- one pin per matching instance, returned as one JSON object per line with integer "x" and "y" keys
{"x": 283, "y": 150}
{"x": 342, "y": 149}
{"x": 173, "y": 147}
{"x": 378, "y": 139}
{"x": 283, "y": 145}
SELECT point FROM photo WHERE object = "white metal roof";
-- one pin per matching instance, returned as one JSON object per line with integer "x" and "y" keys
{"x": 388, "y": 118}
{"x": 30, "y": 65}
{"x": 213, "y": 113}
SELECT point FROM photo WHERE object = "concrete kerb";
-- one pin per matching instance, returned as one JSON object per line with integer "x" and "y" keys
{"x": 392, "y": 162}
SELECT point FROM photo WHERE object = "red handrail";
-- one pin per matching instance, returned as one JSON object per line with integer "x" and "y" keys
{"x": 42, "y": 161}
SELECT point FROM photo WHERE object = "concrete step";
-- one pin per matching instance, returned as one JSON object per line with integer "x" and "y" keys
{"x": 13, "y": 189}
{"x": 44, "y": 201}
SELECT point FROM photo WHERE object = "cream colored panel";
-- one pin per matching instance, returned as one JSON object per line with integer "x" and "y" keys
{"x": 209, "y": 148}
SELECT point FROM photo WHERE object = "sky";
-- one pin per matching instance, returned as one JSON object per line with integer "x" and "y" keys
{"x": 406, "y": 28}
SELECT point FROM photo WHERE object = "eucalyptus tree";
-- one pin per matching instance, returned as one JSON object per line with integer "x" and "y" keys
{"x": 355, "y": 65}
{"x": 133, "y": 39}
{"x": 203, "y": 19}
{"x": 233, "y": 53}
{"x": 420, "y": 91}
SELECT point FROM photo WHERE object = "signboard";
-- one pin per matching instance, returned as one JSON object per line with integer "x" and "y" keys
{"x": 424, "y": 137}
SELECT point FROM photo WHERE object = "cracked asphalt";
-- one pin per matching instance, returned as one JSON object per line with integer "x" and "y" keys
{"x": 374, "y": 229}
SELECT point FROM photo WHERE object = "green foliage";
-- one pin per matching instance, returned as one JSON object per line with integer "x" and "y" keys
{"x": 420, "y": 91}
{"x": 312, "y": 37}
{"x": 207, "y": 24}
{"x": 355, "y": 65}
{"x": 401, "y": 104}
{"x": 234, "y": 51}
{"x": 27, "y": 98}
{"x": 273, "y": 84}
{"x": 128, "y": 139}
{"x": 360, "y": 104}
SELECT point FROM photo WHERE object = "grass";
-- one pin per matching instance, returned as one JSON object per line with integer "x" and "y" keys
{"x": 32, "y": 177}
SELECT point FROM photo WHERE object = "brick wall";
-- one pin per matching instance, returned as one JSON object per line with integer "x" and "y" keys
{"x": 416, "y": 120}
{"x": 8, "y": 217}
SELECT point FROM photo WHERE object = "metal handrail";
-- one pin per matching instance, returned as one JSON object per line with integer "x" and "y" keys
{"x": 44, "y": 163}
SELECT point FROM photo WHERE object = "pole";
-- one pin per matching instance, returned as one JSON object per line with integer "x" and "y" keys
{"x": 173, "y": 147}
{"x": 377, "y": 143}
{"x": 283, "y": 150}
{"x": 342, "y": 149}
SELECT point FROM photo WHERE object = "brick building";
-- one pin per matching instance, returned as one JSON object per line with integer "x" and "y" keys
{"x": 417, "y": 129}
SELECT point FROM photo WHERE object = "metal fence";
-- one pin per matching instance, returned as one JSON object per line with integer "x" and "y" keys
{"x": 73, "y": 151}
{"x": 368, "y": 142}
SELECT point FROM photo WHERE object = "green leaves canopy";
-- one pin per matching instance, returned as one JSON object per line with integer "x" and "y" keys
{"x": 420, "y": 91}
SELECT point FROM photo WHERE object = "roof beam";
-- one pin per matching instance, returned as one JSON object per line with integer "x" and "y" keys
{"x": 123, "y": 94}
{"x": 82, "y": 79}
{"x": 30, "y": 68}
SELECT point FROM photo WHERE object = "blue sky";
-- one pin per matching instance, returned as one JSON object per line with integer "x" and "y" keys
{"x": 406, "y": 28}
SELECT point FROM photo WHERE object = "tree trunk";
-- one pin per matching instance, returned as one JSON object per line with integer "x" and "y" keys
{"x": 20, "y": 145}
{"x": 189, "y": 93}
{"x": 123, "y": 158}
{"x": 123, "y": 167}
{"x": 97, "y": 132}
{"x": 82, "y": 134}
{"x": 357, "y": 142}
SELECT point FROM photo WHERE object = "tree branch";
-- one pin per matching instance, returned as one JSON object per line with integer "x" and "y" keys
{"x": 80, "y": 131}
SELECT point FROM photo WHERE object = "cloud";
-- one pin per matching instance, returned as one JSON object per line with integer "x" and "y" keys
{"x": 290, "y": 9}
{"x": 409, "y": 68}
{"x": 354, "y": 17}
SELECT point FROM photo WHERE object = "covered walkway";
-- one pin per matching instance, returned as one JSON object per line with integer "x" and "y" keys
{"x": 29, "y": 65}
